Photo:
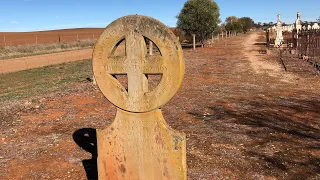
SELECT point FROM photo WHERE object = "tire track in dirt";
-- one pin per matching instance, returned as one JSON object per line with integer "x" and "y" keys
{"x": 30, "y": 62}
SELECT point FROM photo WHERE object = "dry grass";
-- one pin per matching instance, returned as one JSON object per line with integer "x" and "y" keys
{"x": 30, "y": 50}
{"x": 35, "y": 82}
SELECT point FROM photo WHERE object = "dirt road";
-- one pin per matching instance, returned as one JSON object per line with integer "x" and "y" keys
{"x": 18, "y": 64}
{"x": 244, "y": 119}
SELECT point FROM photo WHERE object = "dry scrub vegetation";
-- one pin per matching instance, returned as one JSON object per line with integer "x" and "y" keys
{"x": 37, "y": 49}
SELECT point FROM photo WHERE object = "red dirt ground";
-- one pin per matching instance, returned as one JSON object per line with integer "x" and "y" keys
{"x": 244, "y": 117}
{"x": 30, "y": 62}
{"x": 48, "y": 37}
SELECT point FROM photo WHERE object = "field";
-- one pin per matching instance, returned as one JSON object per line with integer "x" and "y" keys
{"x": 244, "y": 116}
{"x": 48, "y": 37}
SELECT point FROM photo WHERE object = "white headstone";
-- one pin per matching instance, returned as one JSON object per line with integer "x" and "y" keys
{"x": 279, "y": 37}
{"x": 284, "y": 28}
{"x": 274, "y": 28}
{"x": 309, "y": 27}
{"x": 298, "y": 22}
{"x": 315, "y": 26}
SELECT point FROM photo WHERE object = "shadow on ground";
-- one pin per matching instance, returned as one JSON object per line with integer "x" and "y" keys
{"x": 87, "y": 139}
{"x": 281, "y": 138}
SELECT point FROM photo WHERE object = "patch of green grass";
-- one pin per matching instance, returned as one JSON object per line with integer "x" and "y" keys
{"x": 34, "y": 82}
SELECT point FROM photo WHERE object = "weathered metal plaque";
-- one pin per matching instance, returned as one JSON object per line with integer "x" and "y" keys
{"x": 139, "y": 144}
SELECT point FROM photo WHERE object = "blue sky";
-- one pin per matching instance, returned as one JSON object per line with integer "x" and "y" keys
{"x": 34, "y": 15}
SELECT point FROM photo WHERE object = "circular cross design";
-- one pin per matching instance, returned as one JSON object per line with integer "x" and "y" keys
{"x": 137, "y": 64}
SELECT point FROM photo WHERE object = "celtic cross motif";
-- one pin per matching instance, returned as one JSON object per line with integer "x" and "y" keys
{"x": 136, "y": 64}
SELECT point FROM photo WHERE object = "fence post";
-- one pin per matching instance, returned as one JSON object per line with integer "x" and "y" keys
{"x": 36, "y": 39}
{"x": 297, "y": 43}
{"x": 308, "y": 44}
{"x": 194, "y": 41}
{"x": 4, "y": 40}
{"x": 150, "y": 48}
{"x": 267, "y": 38}
{"x": 92, "y": 35}
{"x": 77, "y": 37}
{"x": 212, "y": 38}
{"x": 59, "y": 39}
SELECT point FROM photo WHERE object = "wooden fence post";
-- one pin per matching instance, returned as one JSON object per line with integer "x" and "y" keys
{"x": 212, "y": 38}
{"x": 194, "y": 41}
{"x": 4, "y": 40}
{"x": 297, "y": 44}
{"x": 150, "y": 48}
{"x": 308, "y": 44}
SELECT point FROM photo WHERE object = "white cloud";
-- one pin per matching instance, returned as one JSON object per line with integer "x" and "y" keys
{"x": 14, "y": 22}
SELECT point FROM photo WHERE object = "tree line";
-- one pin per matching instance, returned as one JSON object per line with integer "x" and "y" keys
{"x": 239, "y": 25}
{"x": 202, "y": 18}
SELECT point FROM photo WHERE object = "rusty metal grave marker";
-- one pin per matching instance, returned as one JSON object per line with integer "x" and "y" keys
{"x": 139, "y": 144}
